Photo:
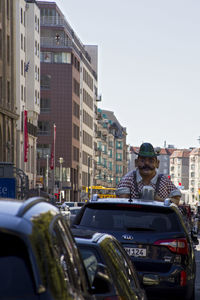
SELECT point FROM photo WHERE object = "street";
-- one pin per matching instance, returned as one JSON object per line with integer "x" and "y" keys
{"x": 197, "y": 254}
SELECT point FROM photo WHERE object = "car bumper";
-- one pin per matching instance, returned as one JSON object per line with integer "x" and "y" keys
{"x": 170, "y": 283}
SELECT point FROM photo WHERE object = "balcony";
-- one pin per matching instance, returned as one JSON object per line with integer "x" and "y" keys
{"x": 50, "y": 42}
{"x": 98, "y": 134}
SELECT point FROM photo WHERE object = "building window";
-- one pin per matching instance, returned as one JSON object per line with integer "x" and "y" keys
{"x": 36, "y": 74}
{"x": 119, "y": 156}
{"x": 76, "y": 110}
{"x": 76, "y": 154}
{"x": 21, "y": 15}
{"x": 118, "y": 169}
{"x": 62, "y": 57}
{"x": 76, "y": 88}
{"x": 35, "y": 47}
{"x": 24, "y": 44}
{"x": 87, "y": 139}
{"x": 87, "y": 119}
{"x": 36, "y": 24}
{"x": 76, "y": 132}
{"x": 45, "y": 82}
{"x": 8, "y": 91}
{"x": 22, "y": 67}
{"x": 44, "y": 150}
{"x": 118, "y": 145}
{"x": 8, "y": 9}
{"x": 22, "y": 41}
{"x": 105, "y": 163}
{"x": 110, "y": 143}
{"x": 22, "y": 92}
{"x": 192, "y": 174}
{"x": 99, "y": 145}
{"x": 46, "y": 57}
{"x": 8, "y": 49}
{"x": 88, "y": 79}
{"x": 87, "y": 99}
{"x": 44, "y": 128}
{"x": 45, "y": 105}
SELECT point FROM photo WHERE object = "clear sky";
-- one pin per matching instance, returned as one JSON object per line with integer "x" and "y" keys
{"x": 149, "y": 64}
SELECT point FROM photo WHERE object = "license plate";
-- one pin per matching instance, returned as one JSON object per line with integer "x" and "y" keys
{"x": 136, "y": 251}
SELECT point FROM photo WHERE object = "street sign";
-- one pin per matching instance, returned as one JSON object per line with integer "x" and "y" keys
{"x": 7, "y": 187}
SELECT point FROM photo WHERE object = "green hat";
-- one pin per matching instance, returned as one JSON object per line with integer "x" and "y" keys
{"x": 147, "y": 150}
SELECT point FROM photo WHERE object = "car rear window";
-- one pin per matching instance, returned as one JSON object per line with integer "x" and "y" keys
{"x": 137, "y": 218}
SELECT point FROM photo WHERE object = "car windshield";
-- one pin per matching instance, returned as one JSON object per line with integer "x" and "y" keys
{"x": 134, "y": 219}
{"x": 15, "y": 270}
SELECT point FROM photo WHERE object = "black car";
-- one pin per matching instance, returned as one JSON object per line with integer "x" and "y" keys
{"x": 39, "y": 259}
{"x": 155, "y": 237}
{"x": 104, "y": 249}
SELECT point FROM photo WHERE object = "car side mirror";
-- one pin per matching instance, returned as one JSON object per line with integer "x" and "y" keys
{"x": 101, "y": 283}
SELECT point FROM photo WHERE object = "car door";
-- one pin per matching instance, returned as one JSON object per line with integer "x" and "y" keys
{"x": 70, "y": 260}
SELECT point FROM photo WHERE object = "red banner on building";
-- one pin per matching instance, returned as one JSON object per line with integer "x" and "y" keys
{"x": 25, "y": 137}
{"x": 52, "y": 159}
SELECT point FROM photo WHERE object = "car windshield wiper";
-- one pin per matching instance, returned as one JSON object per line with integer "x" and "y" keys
{"x": 139, "y": 229}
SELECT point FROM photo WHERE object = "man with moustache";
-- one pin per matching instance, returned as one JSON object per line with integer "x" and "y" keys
{"x": 146, "y": 174}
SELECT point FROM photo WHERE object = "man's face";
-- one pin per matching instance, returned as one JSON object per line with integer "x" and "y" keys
{"x": 147, "y": 165}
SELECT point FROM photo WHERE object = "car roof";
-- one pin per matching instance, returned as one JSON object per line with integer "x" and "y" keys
{"x": 165, "y": 203}
{"x": 85, "y": 236}
{"x": 75, "y": 208}
{"x": 16, "y": 215}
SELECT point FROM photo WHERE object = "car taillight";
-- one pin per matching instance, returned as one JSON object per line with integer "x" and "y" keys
{"x": 183, "y": 278}
{"x": 179, "y": 246}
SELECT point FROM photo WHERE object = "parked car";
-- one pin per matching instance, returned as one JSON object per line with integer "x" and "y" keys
{"x": 73, "y": 204}
{"x": 100, "y": 248}
{"x": 155, "y": 237}
{"x": 39, "y": 259}
{"x": 73, "y": 211}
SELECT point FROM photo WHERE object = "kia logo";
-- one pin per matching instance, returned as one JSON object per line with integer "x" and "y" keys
{"x": 127, "y": 237}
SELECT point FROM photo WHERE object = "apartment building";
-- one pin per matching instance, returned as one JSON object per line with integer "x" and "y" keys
{"x": 27, "y": 73}
{"x": 194, "y": 176}
{"x": 88, "y": 123}
{"x": 8, "y": 113}
{"x": 111, "y": 150}
{"x": 179, "y": 168}
{"x": 68, "y": 100}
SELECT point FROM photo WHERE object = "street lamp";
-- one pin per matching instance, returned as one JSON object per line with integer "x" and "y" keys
{"x": 61, "y": 160}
